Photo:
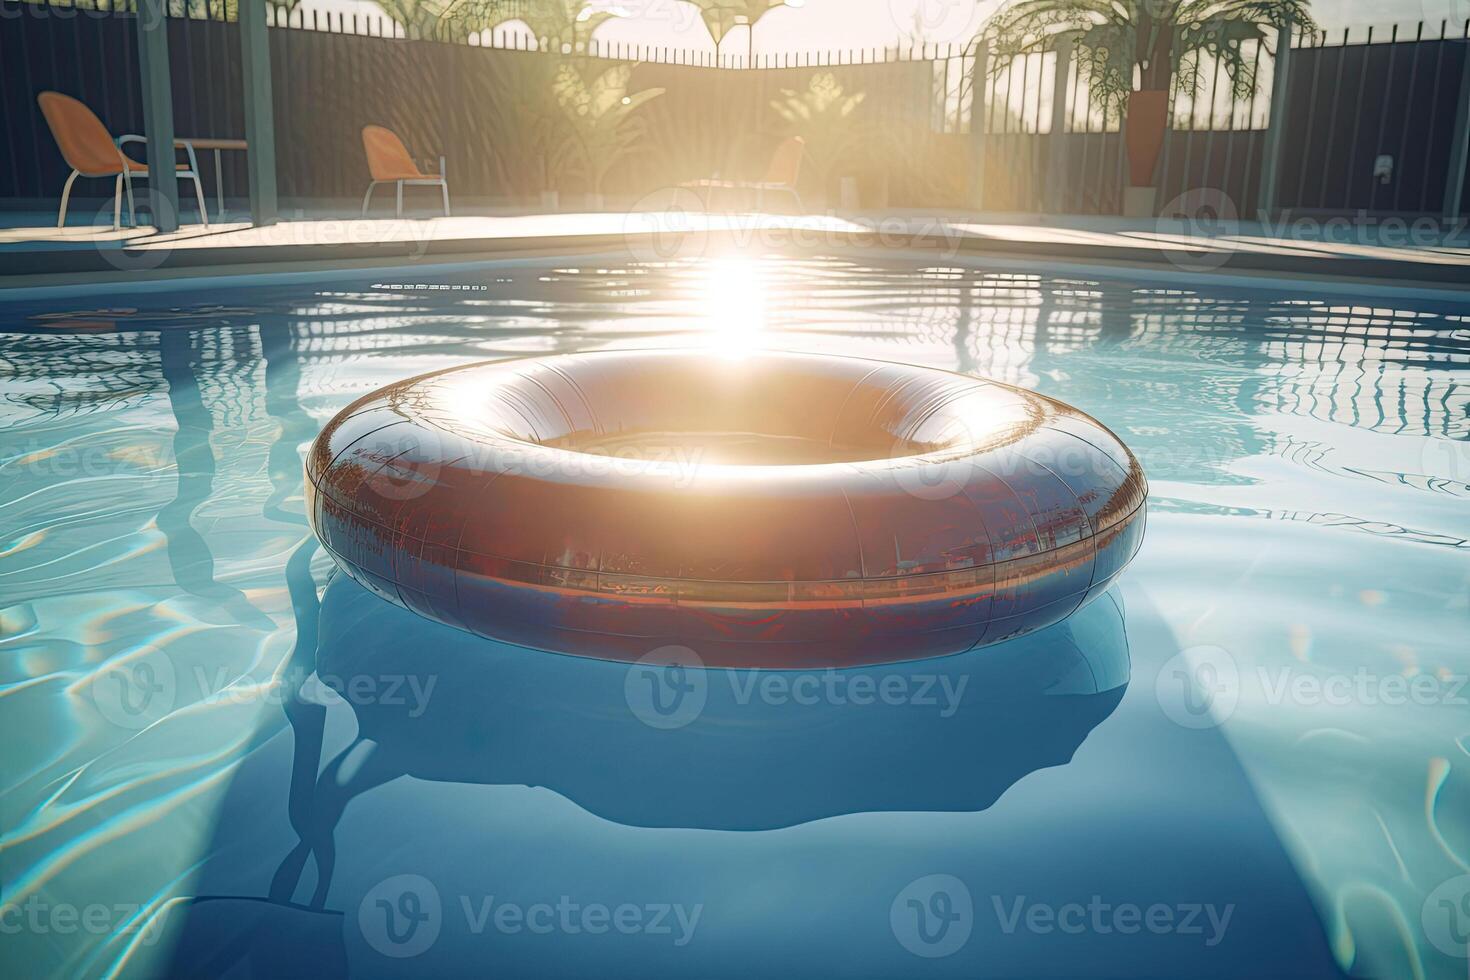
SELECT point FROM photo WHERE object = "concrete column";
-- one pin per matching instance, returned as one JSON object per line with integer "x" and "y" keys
{"x": 1276, "y": 131}
{"x": 158, "y": 112}
{"x": 1454, "y": 187}
{"x": 260, "y": 122}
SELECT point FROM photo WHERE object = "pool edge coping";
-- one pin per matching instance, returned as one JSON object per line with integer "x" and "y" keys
{"x": 58, "y": 268}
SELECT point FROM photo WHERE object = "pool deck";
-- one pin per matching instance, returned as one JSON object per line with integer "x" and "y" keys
{"x": 1430, "y": 254}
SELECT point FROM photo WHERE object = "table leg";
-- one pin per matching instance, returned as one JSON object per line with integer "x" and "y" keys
{"x": 219, "y": 186}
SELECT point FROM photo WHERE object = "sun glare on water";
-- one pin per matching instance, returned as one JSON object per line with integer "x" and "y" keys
{"x": 730, "y": 296}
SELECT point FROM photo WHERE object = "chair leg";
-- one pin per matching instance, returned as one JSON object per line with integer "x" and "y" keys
{"x": 368, "y": 197}
{"x": 444, "y": 186}
{"x": 199, "y": 196}
{"x": 128, "y": 183}
{"x": 65, "y": 196}
{"x": 399, "y": 210}
{"x": 796, "y": 198}
{"x": 117, "y": 188}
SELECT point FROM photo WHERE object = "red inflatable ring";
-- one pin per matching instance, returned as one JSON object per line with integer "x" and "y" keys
{"x": 773, "y": 510}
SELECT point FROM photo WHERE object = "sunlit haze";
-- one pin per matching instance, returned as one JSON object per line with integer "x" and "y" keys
{"x": 820, "y": 25}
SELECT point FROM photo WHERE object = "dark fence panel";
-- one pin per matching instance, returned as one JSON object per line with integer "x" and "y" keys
{"x": 722, "y": 123}
{"x": 208, "y": 94}
{"x": 1096, "y": 170}
{"x": 86, "y": 54}
{"x": 1352, "y": 102}
{"x": 328, "y": 86}
{"x": 1349, "y": 101}
{"x": 1228, "y": 162}
{"x": 488, "y": 113}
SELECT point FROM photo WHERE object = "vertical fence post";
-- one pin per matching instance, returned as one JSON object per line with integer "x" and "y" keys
{"x": 1276, "y": 128}
{"x": 158, "y": 112}
{"x": 1454, "y": 187}
{"x": 979, "y": 122}
{"x": 260, "y": 126}
{"x": 1056, "y": 184}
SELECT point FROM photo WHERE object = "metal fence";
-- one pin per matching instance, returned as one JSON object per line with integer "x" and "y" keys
{"x": 937, "y": 126}
{"x": 482, "y": 102}
{"x": 1358, "y": 96}
{"x": 1351, "y": 99}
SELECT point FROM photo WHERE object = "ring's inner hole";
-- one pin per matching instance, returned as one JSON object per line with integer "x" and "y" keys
{"x": 763, "y": 410}
{"x": 726, "y": 447}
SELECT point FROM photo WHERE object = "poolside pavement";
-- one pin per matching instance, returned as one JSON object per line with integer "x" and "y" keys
{"x": 1427, "y": 252}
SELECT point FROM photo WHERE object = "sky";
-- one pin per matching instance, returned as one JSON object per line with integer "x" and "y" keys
{"x": 849, "y": 24}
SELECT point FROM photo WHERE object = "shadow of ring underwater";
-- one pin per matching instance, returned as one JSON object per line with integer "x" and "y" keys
{"x": 760, "y": 749}
{"x": 952, "y": 734}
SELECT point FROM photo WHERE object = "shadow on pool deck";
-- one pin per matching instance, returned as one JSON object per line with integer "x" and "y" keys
{"x": 1388, "y": 250}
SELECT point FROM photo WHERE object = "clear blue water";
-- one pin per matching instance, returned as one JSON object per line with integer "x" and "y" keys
{"x": 1252, "y": 758}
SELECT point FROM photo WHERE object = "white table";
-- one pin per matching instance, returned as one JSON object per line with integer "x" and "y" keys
{"x": 217, "y": 145}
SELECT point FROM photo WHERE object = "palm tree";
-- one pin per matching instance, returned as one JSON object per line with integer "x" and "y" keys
{"x": 1135, "y": 54}
{"x": 560, "y": 21}
{"x": 825, "y": 116}
{"x": 602, "y": 126}
{"x": 596, "y": 126}
{"x": 419, "y": 18}
{"x": 571, "y": 20}
{"x": 721, "y": 16}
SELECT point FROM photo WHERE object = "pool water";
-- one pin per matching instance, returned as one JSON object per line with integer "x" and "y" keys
{"x": 1251, "y": 758}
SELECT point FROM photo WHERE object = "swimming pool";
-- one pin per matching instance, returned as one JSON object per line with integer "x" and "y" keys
{"x": 1251, "y": 758}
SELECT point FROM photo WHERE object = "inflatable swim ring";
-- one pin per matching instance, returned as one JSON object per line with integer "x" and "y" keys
{"x": 773, "y": 510}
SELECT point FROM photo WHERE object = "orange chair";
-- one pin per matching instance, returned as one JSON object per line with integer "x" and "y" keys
{"x": 389, "y": 162}
{"x": 781, "y": 175}
{"x": 90, "y": 151}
